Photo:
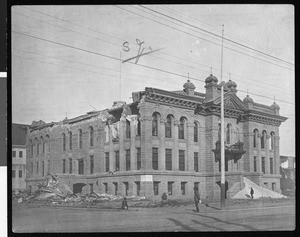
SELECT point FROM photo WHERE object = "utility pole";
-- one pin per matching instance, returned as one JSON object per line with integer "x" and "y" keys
{"x": 120, "y": 75}
{"x": 222, "y": 132}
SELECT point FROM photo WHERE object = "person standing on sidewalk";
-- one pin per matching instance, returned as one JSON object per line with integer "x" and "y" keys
{"x": 196, "y": 198}
{"x": 251, "y": 192}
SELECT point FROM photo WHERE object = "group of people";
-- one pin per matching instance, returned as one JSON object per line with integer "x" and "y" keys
{"x": 196, "y": 199}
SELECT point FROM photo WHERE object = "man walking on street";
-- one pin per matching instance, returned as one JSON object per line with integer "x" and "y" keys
{"x": 196, "y": 198}
{"x": 251, "y": 192}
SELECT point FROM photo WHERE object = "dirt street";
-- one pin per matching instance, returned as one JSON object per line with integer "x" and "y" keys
{"x": 256, "y": 216}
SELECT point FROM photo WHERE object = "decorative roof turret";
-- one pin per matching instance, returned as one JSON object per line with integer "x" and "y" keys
{"x": 189, "y": 85}
{"x": 275, "y": 106}
{"x": 248, "y": 99}
{"x": 211, "y": 79}
{"x": 189, "y": 88}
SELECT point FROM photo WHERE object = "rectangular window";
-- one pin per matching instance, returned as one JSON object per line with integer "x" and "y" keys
{"x": 81, "y": 166}
{"x": 116, "y": 188}
{"x": 37, "y": 168}
{"x": 70, "y": 166}
{"x": 263, "y": 165}
{"x": 196, "y": 164}
{"x": 64, "y": 166}
{"x": 105, "y": 187}
{"x": 138, "y": 157}
{"x": 43, "y": 147}
{"x": 126, "y": 188}
{"x": 13, "y": 173}
{"x": 138, "y": 188}
{"x": 31, "y": 168}
{"x": 20, "y": 154}
{"x": 170, "y": 188}
{"x": 274, "y": 186}
{"x": 128, "y": 159}
{"x": 181, "y": 160}
{"x": 155, "y": 187}
{"x": 271, "y": 165}
{"x": 43, "y": 168}
{"x": 20, "y": 173}
{"x": 91, "y": 164}
{"x": 266, "y": 184}
{"x": 155, "y": 158}
{"x": 14, "y": 153}
{"x": 106, "y": 161}
{"x": 183, "y": 188}
{"x": 37, "y": 148}
{"x": 168, "y": 159}
{"x": 117, "y": 163}
{"x": 255, "y": 164}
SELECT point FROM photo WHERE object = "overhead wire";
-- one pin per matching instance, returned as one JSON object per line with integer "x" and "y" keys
{"x": 150, "y": 55}
{"x": 214, "y": 28}
{"x": 198, "y": 37}
{"x": 114, "y": 58}
{"x": 216, "y": 35}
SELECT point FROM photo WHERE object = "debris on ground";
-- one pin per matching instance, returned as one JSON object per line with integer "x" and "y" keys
{"x": 52, "y": 192}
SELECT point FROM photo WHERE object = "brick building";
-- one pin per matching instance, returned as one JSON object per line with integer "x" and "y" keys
{"x": 19, "y": 132}
{"x": 164, "y": 141}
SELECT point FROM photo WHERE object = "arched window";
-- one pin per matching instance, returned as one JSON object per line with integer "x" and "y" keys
{"x": 272, "y": 140}
{"x": 195, "y": 132}
{"x": 48, "y": 142}
{"x": 155, "y": 124}
{"x": 80, "y": 138}
{"x": 169, "y": 126}
{"x": 64, "y": 141}
{"x": 255, "y": 133}
{"x": 127, "y": 129}
{"x": 70, "y": 140}
{"x": 91, "y": 136}
{"x": 181, "y": 128}
{"x": 263, "y": 139}
{"x": 139, "y": 128}
{"x": 228, "y": 134}
{"x": 43, "y": 145}
{"x": 37, "y": 146}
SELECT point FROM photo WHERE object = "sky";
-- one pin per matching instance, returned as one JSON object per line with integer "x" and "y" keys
{"x": 66, "y": 60}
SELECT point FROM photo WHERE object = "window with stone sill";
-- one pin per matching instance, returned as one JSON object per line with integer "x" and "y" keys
{"x": 107, "y": 161}
{"x": 80, "y": 166}
{"x": 170, "y": 188}
{"x": 154, "y": 124}
{"x": 155, "y": 187}
{"x": 155, "y": 158}
{"x": 168, "y": 159}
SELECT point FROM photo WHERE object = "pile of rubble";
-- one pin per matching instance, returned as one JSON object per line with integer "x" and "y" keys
{"x": 51, "y": 192}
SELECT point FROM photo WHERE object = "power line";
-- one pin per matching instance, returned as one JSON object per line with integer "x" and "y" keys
{"x": 114, "y": 58}
{"x": 110, "y": 42}
{"x": 202, "y": 38}
{"x": 136, "y": 50}
{"x": 37, "y": 60}
{"x": 96, "y": 66}
{"x": 213, "y": 28}
{"x": 209, "y": 32}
